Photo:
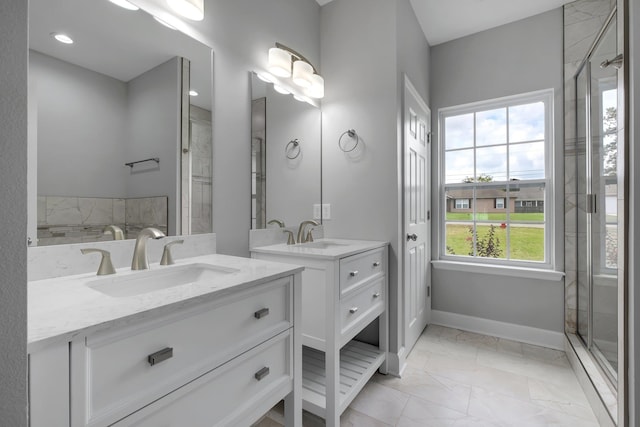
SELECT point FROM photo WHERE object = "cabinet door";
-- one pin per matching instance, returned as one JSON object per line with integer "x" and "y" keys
{"x": 235, "y": 394}
{"x": 49, "y": 387}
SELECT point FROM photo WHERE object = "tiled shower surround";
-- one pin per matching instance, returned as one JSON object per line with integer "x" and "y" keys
{"x": 583, "y": 19}
{"x": 64, "y": 220}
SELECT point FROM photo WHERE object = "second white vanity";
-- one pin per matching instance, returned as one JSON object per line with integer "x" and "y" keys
{"x": 210, "y": 340}
{"x": 344, "y": 289}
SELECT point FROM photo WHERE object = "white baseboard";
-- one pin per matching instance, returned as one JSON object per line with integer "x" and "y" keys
{"x": 526, "y": 334}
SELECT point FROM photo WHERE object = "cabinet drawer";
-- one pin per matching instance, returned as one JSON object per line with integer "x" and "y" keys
{"x": 356, "y": 270}
{"x": 121, "y": 378}
{"x": 225, "y": 396}
{"x": 364, "y": 305}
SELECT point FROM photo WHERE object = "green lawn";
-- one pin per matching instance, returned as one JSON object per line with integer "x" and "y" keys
{"x": 533, "y": 217}
{"x": 527, "y": 243}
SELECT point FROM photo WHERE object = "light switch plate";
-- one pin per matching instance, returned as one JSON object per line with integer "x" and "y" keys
{"x": 316, "y": 211}
{"x": 326, "y": 211}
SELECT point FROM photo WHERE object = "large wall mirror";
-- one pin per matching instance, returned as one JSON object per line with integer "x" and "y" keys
{"x": 285, "y": 157}
{"x": 119, "y": 122}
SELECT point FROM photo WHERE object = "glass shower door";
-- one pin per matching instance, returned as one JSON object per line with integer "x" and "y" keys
{"x": 597, "y": 86}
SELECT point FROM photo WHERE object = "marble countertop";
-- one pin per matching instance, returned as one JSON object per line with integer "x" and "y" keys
{"x": 65, "y": 307}
{"x": 327, "y": 248}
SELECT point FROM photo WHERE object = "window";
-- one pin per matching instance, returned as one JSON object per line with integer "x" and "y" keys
{"x": 462, "y": 203}
{"x": 495, "y": 158}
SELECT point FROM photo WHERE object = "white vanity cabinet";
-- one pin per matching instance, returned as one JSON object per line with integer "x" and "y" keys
{"x": 344, "y": 289}
{"x": 222, "y": 361}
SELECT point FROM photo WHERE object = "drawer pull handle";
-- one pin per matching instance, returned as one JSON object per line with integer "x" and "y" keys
{"x": 261, "y": 373}
{"x": 353, "y": 310}
{"x": 261, "y": 313}
{"x": 376, "y": 295}
{"x": 160, "y": 356}
{"x": 353, "y": 273}
{"x": 376, "y": 264}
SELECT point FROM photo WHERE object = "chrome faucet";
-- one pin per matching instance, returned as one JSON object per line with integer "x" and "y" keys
{"x": 303, "y": 224}
{"x": 116, "y": 232}
{"x": 277, "y": 222}
{"x": 140, "y": 260}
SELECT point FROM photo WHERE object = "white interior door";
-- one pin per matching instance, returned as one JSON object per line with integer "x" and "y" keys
{"x": 417, "y": 196}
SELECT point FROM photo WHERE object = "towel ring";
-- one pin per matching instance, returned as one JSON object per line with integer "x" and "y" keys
{"x": 352, "y": 134}
{"x": 291, "y": 148}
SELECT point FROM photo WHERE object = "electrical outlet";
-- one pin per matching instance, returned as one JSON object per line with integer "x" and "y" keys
{"x": 326, "y": 211}
{"x": 316, "y": 211}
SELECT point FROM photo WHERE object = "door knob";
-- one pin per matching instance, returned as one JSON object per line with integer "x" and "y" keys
{"x": 413, "y": 237}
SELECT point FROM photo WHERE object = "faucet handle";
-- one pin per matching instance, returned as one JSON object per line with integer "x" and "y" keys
{"x": 167, "y": 259}
{"x": 106, "y": 266}
{"x": 309, "y": 236}
{"x": 290, "y": 239}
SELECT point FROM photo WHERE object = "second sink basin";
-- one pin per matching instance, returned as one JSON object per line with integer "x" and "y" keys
{"x": 142, "y": 282}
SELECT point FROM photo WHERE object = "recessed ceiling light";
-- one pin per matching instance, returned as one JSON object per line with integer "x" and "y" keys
{"x": 164, "y": 23}
{"x": 193, "y": 93}
{"x": 125, "y": 4}
{"x": 62, "y": 38}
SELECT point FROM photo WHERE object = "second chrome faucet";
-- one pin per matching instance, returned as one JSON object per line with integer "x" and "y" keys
{"x": 140, "y": 260}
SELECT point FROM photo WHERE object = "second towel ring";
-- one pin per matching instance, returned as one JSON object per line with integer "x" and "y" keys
{"x": 290, "y": 148}
{"x": 353, "y": 135}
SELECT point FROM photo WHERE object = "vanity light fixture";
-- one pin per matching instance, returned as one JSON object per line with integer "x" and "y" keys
{"x": 190, "y": 9}
{"x": 193, "y": 93}
{"x": 62, "y": 38}
{"x": 125, "y": 4}
{"x": 265, "y": 77}
{"x": 285, "y": 62}
{"x": 281, "y": 89}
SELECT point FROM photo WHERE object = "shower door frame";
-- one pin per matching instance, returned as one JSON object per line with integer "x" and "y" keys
{"x": 618, "y": 13}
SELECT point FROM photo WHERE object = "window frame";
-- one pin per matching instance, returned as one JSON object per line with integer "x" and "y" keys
{"x": 545, "y": 96}
{"x": 501, "y": 205}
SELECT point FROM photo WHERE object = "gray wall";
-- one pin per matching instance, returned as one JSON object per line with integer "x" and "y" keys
{"x": 153, "y": 129}
{"x": 293, "y": 186}
{"x": 13, "y": 212}
{"x": 81, "y": 117}
{"x": 515, "y": 58}
{"x": 366, "y": 47}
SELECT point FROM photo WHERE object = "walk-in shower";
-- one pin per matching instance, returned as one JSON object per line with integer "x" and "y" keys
{"x": 601, "y": 189}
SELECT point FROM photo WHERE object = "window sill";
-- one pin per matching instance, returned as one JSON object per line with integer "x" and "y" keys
{"x": 498, "y": 270}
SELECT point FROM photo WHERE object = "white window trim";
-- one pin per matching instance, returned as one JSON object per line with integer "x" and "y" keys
{"x": 547, "y": 97}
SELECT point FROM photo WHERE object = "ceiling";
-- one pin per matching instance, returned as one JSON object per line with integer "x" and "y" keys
{"x": 445, "y": 20}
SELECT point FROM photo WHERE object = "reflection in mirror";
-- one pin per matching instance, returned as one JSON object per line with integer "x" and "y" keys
{"x": 285, "y": 158}
{"x": 119, "y": 139}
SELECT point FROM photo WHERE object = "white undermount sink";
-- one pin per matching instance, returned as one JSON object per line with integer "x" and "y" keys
{"x": 323, "y": 244}
{"x": 142, "y": 282}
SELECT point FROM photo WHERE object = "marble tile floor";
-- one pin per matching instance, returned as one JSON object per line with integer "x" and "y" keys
{"x": 461, "y": 379}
